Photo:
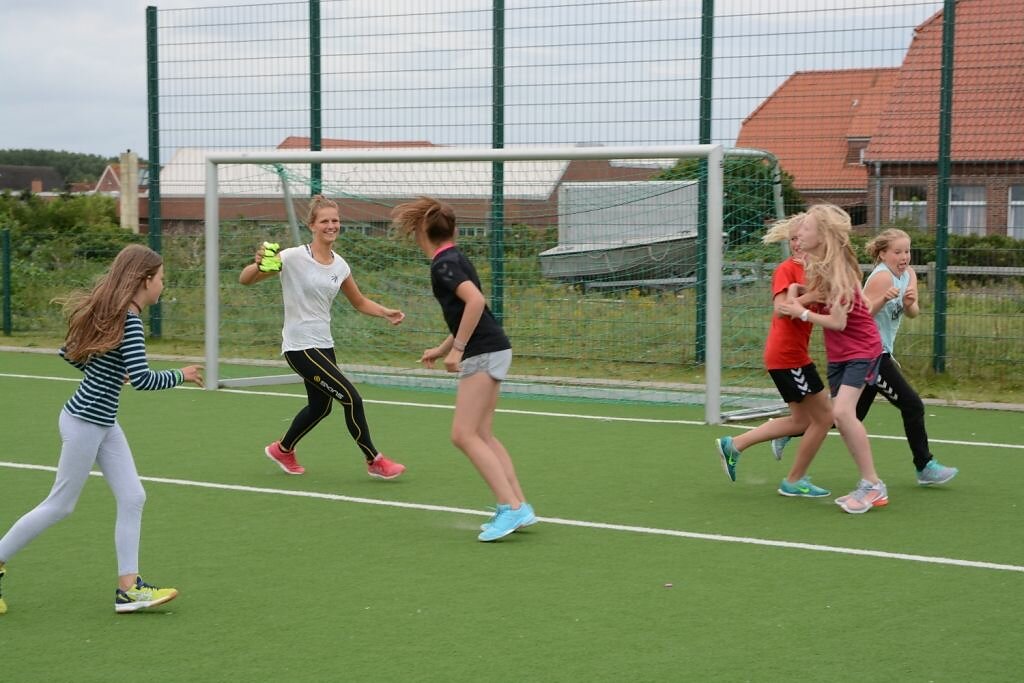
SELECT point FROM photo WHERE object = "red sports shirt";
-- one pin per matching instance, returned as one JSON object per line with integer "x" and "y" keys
{"x": 788, "y": 339}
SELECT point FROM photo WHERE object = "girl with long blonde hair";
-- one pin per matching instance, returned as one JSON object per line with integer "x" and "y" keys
{"x": 106, "y": 341}
{"x": 833, "y": 299}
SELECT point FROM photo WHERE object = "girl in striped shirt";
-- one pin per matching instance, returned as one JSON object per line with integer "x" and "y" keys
{"x": 106, "y": 341}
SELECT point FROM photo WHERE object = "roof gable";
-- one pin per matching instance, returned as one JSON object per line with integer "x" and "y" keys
{"x": 988, "y": 86}
{"x": 808, "y": 121}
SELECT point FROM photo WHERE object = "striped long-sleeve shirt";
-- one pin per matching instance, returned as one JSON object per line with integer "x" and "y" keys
{"x": 99, "y": 394}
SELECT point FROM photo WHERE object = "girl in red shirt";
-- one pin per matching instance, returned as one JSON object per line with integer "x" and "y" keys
{"x": 790, "y": 366}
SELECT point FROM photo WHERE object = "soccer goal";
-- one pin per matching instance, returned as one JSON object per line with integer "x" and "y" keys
{"x": 597, "y": 260}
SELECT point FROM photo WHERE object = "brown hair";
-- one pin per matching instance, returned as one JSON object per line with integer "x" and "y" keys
{"x": 883, "y": 241}
{"x": 96, "y": 317}
{"x": 434, "y": 218}
{"x": 316, "y": 203}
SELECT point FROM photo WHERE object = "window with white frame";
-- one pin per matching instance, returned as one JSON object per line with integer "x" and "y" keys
{"x": 909, "y": 202}
{"x": 967, "y": 209}
{"x": 1015, "y": 215}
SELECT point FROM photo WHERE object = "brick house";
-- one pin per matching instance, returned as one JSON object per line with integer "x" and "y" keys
{"x": 867, "y": 139}
{"x": 986, "y": 184}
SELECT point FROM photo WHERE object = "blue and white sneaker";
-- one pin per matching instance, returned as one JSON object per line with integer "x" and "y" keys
{"x": 779, "y": 445}
{"x": 730, "y": 456}
{"x": 935, "y": 473}
{"x": 507, "y": 520}
{"x": 802, "y": 488}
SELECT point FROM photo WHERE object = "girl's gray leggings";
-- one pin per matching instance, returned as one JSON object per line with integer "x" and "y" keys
{"x": 85, "y": 443}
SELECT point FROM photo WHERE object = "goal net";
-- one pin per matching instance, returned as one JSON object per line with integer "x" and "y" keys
{"x": 604, "y": 265}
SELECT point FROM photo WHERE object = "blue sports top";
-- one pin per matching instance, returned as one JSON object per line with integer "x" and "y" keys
{"x": 97, "y": 397}
{"x": 890, "y": 315}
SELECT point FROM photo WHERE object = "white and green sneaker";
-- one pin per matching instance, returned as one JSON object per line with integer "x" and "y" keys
{"x": 141, "y": 596}
{"x": 802, "y": 488}
{"x": 779, "y": 445}
{"x": 935, "y": 473}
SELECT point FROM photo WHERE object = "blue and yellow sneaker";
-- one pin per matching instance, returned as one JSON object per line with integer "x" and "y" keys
{"x": 802, "y": 488}
{"x": 3, "y": 605}
{"x": 730, "y": 456}
{"x": 141, "y": 596}
{"x": 507, "y": 520}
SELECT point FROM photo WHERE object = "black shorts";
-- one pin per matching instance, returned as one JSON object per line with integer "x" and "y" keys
{"x": 796, "y": 383}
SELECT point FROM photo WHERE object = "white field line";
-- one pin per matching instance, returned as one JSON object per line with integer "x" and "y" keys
{"x": 575, "y": 416}
{"x": 792, "y": 545}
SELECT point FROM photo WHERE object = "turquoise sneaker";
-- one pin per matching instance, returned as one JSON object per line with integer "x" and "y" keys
{"x": 730, "y": 456}
{"x": 779, "y": 445}
{"x": 507, "y": 520}
{"x": 802, "y": 489}
{"x": 935, "y": 473}
{"x": 531, "y": 519}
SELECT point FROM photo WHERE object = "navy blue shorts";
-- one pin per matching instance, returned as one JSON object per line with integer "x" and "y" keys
{"x": 857, "y": 373}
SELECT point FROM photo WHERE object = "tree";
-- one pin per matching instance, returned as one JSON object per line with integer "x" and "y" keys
{"x": 73, "y": 166}
{"x": 749, "y": 202}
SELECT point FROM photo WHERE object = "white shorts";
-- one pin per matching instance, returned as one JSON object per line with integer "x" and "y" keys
{"x": 495, "y": 364}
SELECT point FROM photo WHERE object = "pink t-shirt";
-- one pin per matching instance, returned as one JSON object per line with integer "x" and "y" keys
{"x": 859, "y": 341}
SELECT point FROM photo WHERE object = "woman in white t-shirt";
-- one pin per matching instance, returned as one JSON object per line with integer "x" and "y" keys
{"x": 311, "y": 277}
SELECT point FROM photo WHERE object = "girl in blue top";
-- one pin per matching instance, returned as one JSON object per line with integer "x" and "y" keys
{"x": 891, "y": 291}
{"x": 105, "y": 340}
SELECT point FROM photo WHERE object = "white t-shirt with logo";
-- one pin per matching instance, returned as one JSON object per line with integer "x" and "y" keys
{"x": 309, "y": 290}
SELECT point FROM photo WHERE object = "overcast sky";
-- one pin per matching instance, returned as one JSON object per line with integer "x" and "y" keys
{"x": 75, "y": 70}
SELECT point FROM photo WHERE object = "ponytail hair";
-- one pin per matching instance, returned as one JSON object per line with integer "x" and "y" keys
{"x": 317, "y": 203}
{"x": 882, "y": 241}
{"x": 432, "y": 217}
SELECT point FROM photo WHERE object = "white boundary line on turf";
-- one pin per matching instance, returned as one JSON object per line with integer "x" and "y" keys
{"x": 575, "y": 416}
{"x": 791, "y": 545}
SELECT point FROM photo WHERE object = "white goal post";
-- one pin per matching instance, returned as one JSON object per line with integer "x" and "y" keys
{"x": 714, "y": 220}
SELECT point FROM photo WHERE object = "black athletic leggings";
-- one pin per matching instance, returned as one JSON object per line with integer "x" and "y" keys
{"x": 324, "y": 385}
{"x": 898, "y": 392}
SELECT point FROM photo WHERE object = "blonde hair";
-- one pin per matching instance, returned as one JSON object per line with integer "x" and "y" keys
{"x": 425, "y": 214}
{"x": 96, "y": 317}
{"x": 316, "y": 203}
{"x": 782, "y": 229}
{"x": 835, "y": 276}
{"x": 883, "y": 241}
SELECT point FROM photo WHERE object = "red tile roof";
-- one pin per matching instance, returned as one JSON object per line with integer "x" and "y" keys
{"x": 296, "y": 142}
{"x": 988, "y": 89}
{"x": 807, "y": 122}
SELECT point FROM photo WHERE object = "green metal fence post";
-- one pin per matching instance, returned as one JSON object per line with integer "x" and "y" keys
{"x": 5, "y": 246}
{"x": 944, "y": 170}
{"x": 497, "y": 222}
{"x": 707, "y": 44}
{"x": 315, "y": 88}
{"x": 153, "y": 106}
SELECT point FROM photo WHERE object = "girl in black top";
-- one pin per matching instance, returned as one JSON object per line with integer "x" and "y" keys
{"x": 478, "y": 350}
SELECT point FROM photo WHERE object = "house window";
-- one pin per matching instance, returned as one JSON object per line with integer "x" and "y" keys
{"x": 909, "y": 203}
{"x": 855, "y": 150}
{"x": 967, "y": 209}
{"x": 1015, "y": 216}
